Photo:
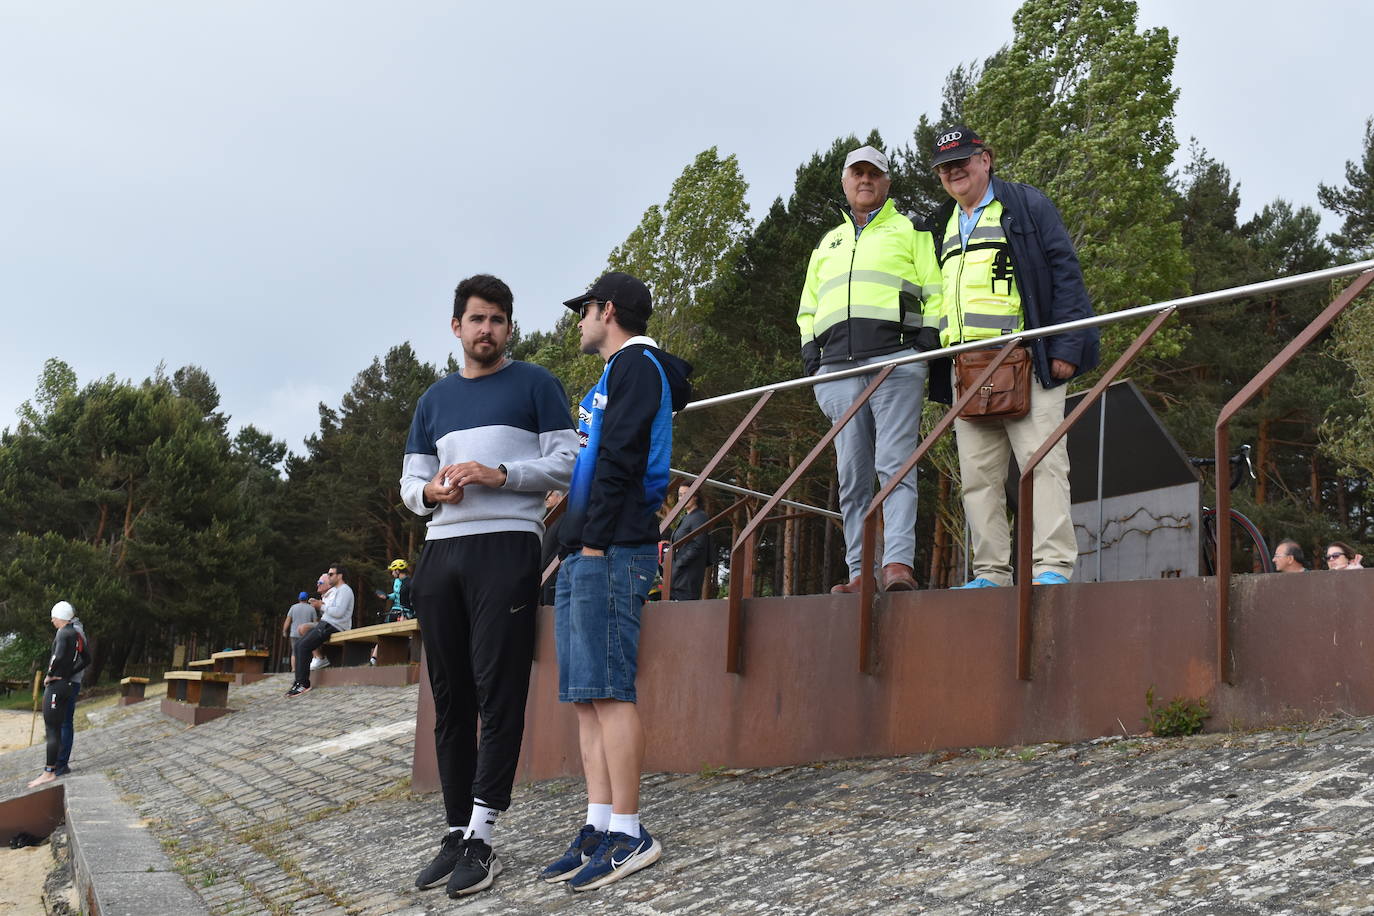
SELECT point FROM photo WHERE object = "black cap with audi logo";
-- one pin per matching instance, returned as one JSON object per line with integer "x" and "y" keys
{"x": 957, "y": 142}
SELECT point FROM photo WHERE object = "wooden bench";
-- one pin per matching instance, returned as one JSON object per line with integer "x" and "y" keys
{"x": 196, "y": 696}
{"x": 246, "y": 665}
{"x": 398, "y": 652}
{"x": 392, "y": 640}
{"x": 206, "y": 663}
{"x": 131, "y": 690}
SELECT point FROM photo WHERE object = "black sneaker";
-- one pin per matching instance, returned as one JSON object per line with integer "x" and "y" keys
{"x": 297, "y": 689}
{"x": 579, "y": 852}
{"x": 477, "y": 867}
{"x": 443, "y": 863}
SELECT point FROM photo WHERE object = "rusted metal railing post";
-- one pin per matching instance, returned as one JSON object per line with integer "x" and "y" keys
{"x": 742, "y": 552}
{"x": 1025, "y": 503}
{"x": 867, "y": 584}
{"x": 715, "y": 461}
{"x": 1233, "y": 406}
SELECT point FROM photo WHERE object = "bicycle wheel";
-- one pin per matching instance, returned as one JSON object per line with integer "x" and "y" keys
{"x": 1209, "y": 542}
{"x": 1249, "y": 552}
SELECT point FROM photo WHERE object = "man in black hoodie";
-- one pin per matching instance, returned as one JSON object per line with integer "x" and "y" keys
{"x": 70, "y": 655}
{"x": 625, "y": 428}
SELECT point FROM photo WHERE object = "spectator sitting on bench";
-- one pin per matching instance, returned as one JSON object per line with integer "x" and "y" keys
{"x": 321, "y": 586}
{"x": 336, "y": 615}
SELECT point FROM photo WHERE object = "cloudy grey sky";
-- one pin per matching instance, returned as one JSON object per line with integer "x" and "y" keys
{"x": 280, "y": 191}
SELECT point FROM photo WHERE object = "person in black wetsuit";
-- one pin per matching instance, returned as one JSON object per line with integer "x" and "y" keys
{"x": 70, "y": 656}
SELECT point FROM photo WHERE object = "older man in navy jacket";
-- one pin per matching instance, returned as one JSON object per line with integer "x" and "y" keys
{"x": 1008, "y": 265}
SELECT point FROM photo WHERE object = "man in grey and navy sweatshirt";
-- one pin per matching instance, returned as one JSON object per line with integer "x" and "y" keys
{"x": 485, "y": 445}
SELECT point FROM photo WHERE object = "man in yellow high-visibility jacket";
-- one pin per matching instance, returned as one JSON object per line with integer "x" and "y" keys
{"x": 1009, "y": 265}
{"x": 872, "y": 294}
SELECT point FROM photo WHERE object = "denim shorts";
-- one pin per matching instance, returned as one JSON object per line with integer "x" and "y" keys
{"x": 596, "y": 621}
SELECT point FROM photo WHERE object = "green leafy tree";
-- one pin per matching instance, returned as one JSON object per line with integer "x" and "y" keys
{"x": 680, "y": 248}
{"x": 130, "y": 501}
{"x": 1354, "y": 203}
{"x": 343, "y": 501}
{"x": 1081, "y": 105}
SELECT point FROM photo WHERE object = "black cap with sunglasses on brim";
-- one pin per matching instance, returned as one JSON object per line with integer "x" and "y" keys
{"x": 958, "y": 142}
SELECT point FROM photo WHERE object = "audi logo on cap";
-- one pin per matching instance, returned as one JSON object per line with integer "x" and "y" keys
{"x": 949, "y": 138}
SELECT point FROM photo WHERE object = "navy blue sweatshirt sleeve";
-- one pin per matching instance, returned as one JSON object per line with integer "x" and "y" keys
{"x": 633, "y": 392}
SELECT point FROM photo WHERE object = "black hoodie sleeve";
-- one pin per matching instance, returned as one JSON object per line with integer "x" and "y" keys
{"x": 69, "y": 653}
{"x": 633, "y": 392}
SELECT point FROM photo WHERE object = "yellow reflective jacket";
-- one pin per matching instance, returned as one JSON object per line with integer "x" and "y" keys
{"x": 982, "y": 299}
{"x": 868, "y": 296}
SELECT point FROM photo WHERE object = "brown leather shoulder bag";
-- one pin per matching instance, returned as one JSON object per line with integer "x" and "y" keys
{"x": 1006, "y": 395}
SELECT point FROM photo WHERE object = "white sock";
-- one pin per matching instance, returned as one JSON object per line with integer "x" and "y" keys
{"x": 453, "y": 829}
{"x": 599, "y": 816}
{"x": 483, "y": 820}
{"x": 627, "y": 824}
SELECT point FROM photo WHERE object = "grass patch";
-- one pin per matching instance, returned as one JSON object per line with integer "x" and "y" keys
{"x": 17, "y": 699}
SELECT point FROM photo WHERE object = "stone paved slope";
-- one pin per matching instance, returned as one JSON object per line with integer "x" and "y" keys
{"x": 301, "y": 806}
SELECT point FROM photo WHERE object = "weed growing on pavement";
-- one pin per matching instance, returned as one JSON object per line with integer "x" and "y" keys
{"x": 1179, "y": 717}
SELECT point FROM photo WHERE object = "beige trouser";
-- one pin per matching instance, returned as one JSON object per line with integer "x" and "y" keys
{"x": 983, "y": 454}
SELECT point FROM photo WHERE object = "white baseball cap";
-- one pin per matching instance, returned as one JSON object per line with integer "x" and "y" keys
{"x": 63, "y": 610}
{"x": 867, "y": 154}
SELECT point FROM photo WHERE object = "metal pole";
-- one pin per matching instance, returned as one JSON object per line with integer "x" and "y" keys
{"x": 1101, "y": 449}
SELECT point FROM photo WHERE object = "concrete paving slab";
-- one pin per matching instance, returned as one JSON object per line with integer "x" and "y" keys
{"x": 303, "y": 806}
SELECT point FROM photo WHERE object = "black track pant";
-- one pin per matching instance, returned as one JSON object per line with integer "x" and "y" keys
{"x": 305, "y": 649}
{"x": 57, "y": 697}
{"x": 475, "y": 597}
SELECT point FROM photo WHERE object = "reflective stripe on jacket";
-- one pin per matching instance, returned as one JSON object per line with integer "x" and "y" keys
{"x": 983, "y": 300}
{"x": 869, "y": 295}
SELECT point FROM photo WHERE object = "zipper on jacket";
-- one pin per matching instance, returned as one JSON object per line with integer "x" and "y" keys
{"x": 849, "y": 294}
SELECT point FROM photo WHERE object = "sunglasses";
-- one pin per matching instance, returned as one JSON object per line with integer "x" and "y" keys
{"x": 588, "y": 305}
{"x": 955, "y": 164}
{"x": 1335, "y": 556}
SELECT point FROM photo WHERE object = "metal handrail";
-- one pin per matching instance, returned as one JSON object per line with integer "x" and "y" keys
{"x": 1222, "y": 434}
{"x": 1142, "y": 311}
{"x": 742, "y": 578}
{"x": 744, "y": 491}
{"x": 1025, "y": 505}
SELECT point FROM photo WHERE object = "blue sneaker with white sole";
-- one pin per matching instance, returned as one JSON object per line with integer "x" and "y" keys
{"x": 579, "y": 853}
{"x": 980, "y": 582}
{"x": 1049, "y": 577}
{"x": 618, "y": 855}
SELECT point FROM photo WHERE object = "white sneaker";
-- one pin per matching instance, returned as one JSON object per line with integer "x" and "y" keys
{"x": 317, "y": 663}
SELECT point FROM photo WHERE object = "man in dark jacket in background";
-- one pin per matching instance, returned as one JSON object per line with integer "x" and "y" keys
{"x": 625, "y": 428}
{"x": 70, "y": 656}
{"x": 1008, "y": 265}
{"x": 690, "y": 559}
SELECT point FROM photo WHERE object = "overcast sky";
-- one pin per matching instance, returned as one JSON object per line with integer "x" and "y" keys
{"x": 280, "y": 191}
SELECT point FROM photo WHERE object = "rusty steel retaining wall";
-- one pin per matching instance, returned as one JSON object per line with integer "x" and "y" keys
{"x": 945, "y": 672}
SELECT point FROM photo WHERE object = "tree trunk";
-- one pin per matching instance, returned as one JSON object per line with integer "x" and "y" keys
{"x": 789, "y": 557}
{"x": 939, "y": 577}
{"x": 831, "y": 498}
{"x": 1316, "y": 481}
{"x": 1262, "y": 456}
